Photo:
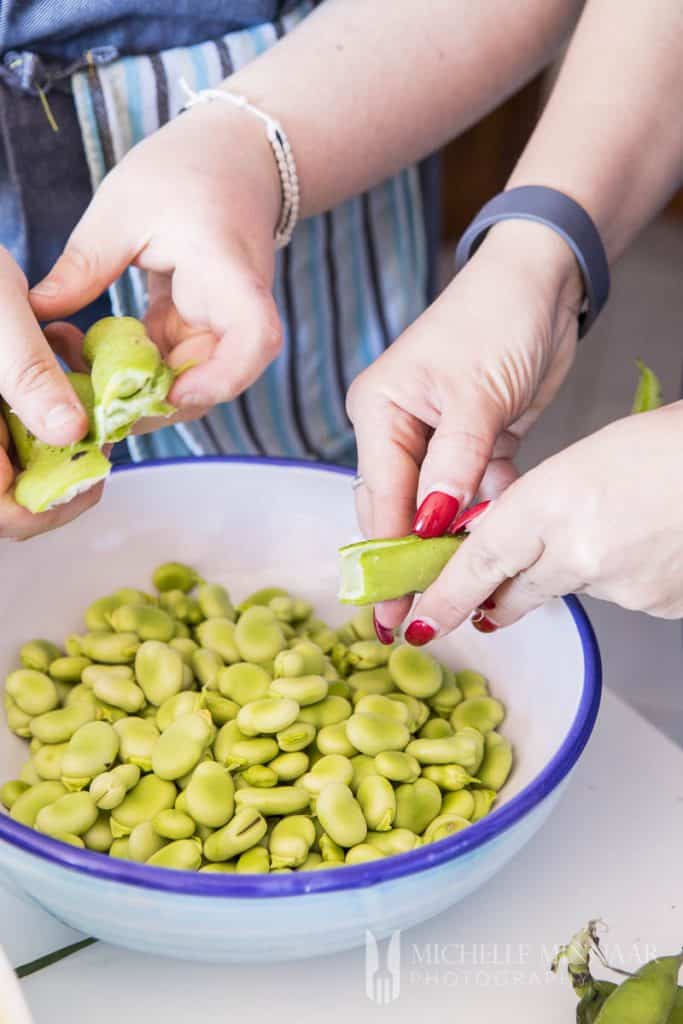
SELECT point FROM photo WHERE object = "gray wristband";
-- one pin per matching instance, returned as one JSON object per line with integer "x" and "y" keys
{"x": 562, "y": 214}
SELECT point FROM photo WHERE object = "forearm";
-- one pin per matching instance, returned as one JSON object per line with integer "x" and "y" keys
{"x": 363, "y": 90}
{"x": 611, "y": 135}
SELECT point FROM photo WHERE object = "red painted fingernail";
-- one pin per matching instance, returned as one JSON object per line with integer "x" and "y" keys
{"x": 483, "y": 623}
{"x": 466, "y": 517}
{"x": 488, "y": 605}
{"x": 419, "y": 633}
{"x": 384, "y": 634}
{"x": 434, "y": 514}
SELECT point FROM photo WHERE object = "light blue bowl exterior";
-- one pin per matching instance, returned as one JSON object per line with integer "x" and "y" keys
{"x": 226, "y": 929}
{"x": 256, "y": 918}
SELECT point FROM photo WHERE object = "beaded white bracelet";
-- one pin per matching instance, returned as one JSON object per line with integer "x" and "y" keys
{"x": 282, "y": 151}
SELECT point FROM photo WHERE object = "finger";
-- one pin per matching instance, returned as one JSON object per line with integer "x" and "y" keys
{"x": 503, "y": 544}
{"x": 147, "y": 426}
{"x": 31, "y": 380}
{"x": 363, "y": 500}
{"x": 528, "y": 590}
{"x": 17, "y": 523}
{"x": 500, "y": 473}
{"x": 67, "y": 341}
{"x": 100, "y": 247}
{"x": 456, "y": 459}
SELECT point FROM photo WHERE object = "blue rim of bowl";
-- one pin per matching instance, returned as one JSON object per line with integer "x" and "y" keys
{"x": 352, "y": 877}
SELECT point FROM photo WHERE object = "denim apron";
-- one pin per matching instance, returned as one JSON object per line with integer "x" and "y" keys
{"x": 348, "y": 284}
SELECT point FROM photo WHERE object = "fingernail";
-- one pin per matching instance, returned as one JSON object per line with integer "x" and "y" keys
{"x": 434, "y": 514}
{"x": 384, "y": 634}
{"x": 466, "y": 517}
{"x": 488, "y": 605}
{"x": 483, "y": 623}
{"x": 420, "y": 632}
{"x": 46, "y": 288}
{"x": 61, "y": 415}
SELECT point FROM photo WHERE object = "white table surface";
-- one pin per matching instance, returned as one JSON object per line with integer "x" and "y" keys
{"x": 611, "y": 849}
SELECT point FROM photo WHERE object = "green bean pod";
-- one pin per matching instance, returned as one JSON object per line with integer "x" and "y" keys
{"x": 645, "y": 998}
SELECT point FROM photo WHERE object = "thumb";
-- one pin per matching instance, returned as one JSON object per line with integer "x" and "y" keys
{"x": 97, "y": 252}
{"x": 457, "y": 456}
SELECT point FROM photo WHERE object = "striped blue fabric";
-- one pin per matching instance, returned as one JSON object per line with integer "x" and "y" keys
{"x": 349, "y": 283}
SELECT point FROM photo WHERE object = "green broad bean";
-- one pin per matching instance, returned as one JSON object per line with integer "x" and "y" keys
{"x": 184, "y": 780}
{"x": 98, "y": 837}
{"x": 59, "y": 726}
{"x": 415, "y": 672}
{"x": 28, "y": 804}
{"x": 251, "y": 751}
{"x": 120, "y": 849}
{"x": 176, "y": 603}
{"x": 242, "y": 832}
{"x": 263, "y": 596}
{"x": 340, "y": 815}
{"x": 210, "y": 795}
{"x": 418, "y": 711}
{"x": 647, "y": 997}
{"x": 371, "y": 733}
{"x": 496, "y": 766}
{"x": 397, "y": 766}
{"x": 255, "y": 861}
{"x": 110, "y": 648}
{"x": 330, "y": 768}
{"x": 417, "y": 804}
{"x": 243, "y": 682}
{"x": 35, "y": 745}
{"x": 183, "y": 703}
{"x": 131, "y": 595}
{"x": 331, "y": 852}
{"x": 378, "y": 704}
{"x": 185, "y": 646}
{"x": 218, "y": 635}
{"x": 290, "y": 767}
{"x": 144, "y": 842}
{"x": 447, "y": 697}
{"x": 70, "y": 838}
{"x": 267, "y": 715}
{"x": 173, "y": 824}
{"x": 481, "y": 713}
{"x": 396, "y": 840}
{"x": 39, "y": 655}
{"x": 72, "y": 645}
{"x": 207, "y": 666}
{"x": 339, "y": 688}
{"x": 115, "y": 685}
{"x": 73, "y": 813}
{"x": 159, "y": 670}
{"x": 180, "y": 803}
{"x": 328, "y": 711}
{"x": 362, "y": 766}
{"x": 174, "y": 576}
{"x": 362, "y": 624}
{"x": 465, "y": 747}
{"x": 323, "y": 637}
{"x": 221, "y": 709}
{"x": 32, "y": 691}
{"x": 443, "y": 826}
{"x": 291, "y": 841}
{"x": 63, "y": 690}
{"x": 367, "y": 654}
{"x": 312, "y": 861}
{"x": 278, "y": 801}
{"x": 339, "y": 659}
{"x": 69, "y": 669}
{"x": 377, "y": 800}
{"x": 304, "y": 690}
{"x": 137, "y": 738}
{"x": 142, "y": 803}
{"x": 48, "y": 760}
{"x": 483, "y": 802}
{"x": 225, "y": 868}
{"x": 29, "y": 774}
{"x": 258, "y": 634}
{"x": 181, "y": 631}
{"x": 182, "y": 855}
{"x": 97, "y": 614}
{"x": 282, "y": 607}
{"x": 435, "y": 729}
{"x": 304, "y": 658}
{"x": 471, "y": 684}
{"x": 17, "y": 720}
{"x": 363, "y": 853}
{"x": 148, "y": 622}
{"x": 109, "y": 788}
{"x": 450, "y": 777}
{"x": 181, "y": 746}
{"x": 11, "y": 791}
{"x": 377, "y": 680}
{"x": 108, "y": 713}
{"x": 81, "y": 694}
{"x": 214, "y": 601}
{"x": 259, "y": 775}
{"x": 332, "y": 739}
{"x": 460, "y": 802}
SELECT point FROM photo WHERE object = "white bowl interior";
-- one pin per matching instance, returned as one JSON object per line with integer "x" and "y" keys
{"x": 249, "y": 525}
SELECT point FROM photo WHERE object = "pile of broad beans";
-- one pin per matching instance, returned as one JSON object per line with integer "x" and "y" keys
{"x": 184, "y": 732}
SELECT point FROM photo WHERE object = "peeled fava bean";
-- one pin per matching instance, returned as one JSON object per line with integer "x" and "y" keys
{"x": 481, "y": 713}
{"x": 33, "y": 692}
{"x": 183, "y": 855}
{"x": 258, "y": 634}
{"x": 73, "y": 813}
{"x": 341, "y": 815}
{"x": 142, "y": 803}
{"x": 91, "y": 751}
{"x": 39, "y": 655}
{"x": 159, "y": 671}
{"x": 174, "y": 576}
{"x": 415, "y": 672}
{"x": 210, "y": 795}
{"x": 495, "y": 768}
{"x": 28, "y": 804}
{"x": 148, "y": 622}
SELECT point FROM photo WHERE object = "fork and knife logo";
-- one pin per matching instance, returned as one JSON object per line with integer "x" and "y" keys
{"x": 383, "y": 973}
